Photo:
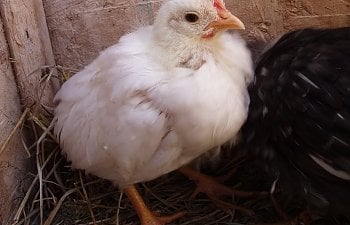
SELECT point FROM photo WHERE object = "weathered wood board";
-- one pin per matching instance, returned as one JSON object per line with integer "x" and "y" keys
{"x": 13, "y": 159}
{"x": 80, "y": 29}
{"x": 30, "y": 47}
{"x": 24, "y": 48}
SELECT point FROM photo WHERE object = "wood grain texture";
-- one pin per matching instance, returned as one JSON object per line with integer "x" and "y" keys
{"x": 80, "y": 29}
{"x": 30, "y": 47}
{"x": 13, "y": 159}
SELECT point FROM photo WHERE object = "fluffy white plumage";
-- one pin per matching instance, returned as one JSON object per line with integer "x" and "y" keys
{"x": 159, "y": 98}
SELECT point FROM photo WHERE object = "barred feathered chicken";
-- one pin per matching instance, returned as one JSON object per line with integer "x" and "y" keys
{"x": 299, "y": 117}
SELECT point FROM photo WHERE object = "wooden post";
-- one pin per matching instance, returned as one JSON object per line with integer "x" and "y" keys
{"x": 30, "y": 46}
{"x": 25, "y": 43}
{"x": 12, "y": 158}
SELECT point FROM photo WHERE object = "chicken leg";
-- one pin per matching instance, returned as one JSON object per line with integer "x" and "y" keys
{"x": 214, "y": 189}
{"x": 146, "y": 216}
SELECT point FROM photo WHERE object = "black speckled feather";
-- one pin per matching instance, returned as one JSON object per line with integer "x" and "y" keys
{"x": 299, "y": 119}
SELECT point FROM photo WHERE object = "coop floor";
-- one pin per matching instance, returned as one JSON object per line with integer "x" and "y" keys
{"x": 72, "y": 198}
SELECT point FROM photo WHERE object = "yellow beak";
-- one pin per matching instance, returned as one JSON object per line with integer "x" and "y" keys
{"x": 226, "y": 21}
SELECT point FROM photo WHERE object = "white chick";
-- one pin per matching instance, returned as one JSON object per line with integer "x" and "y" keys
{"x": 159, "y": 98}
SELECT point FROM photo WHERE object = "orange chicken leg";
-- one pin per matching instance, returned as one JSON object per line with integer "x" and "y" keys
{"x": 146, "y": 216}
{"x": 214, "y": 189}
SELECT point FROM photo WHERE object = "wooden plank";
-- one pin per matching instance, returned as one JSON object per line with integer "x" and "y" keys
{"x": 79, "y": 30}
{"x": 262, "y": 20}
{"x": 13, "y": 158}
{"x": 319, "y": 14}
{"x": 321, "y": 21}
{"x": 30, "y": 46}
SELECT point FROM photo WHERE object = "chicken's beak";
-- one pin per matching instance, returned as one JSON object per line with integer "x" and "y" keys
{"x": 226, "y": 19}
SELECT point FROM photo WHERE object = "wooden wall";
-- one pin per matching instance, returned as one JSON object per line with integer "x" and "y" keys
{"x": 80, "y": 29}
{"x": 12, "y": 159}
{"x": 24, "y": 48}
{"x": 29, "y": 44}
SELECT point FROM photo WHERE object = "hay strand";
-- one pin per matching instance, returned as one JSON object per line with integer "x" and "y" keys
{"x": 14, "y": 130}
{"x": 58, "y": 206}
{"x": 87, "y": 199}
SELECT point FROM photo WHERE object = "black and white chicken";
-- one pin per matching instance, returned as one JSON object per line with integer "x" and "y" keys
{"x": 299, "y": 118}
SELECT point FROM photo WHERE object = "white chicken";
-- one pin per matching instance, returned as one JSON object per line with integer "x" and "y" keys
{"x": 158, "y": 99}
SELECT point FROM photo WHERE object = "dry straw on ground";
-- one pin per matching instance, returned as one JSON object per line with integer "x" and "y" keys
{"x": 59, "y": 195}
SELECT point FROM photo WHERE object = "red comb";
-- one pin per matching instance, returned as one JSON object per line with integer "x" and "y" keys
{"x": 218, "y": 4}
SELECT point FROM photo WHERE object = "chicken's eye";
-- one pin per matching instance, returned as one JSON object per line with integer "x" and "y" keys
{"x": 191, "y": 17}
